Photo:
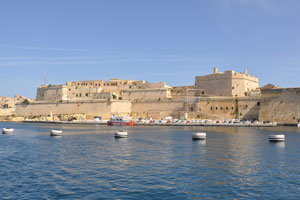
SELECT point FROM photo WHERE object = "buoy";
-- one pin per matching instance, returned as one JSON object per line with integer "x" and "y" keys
{"x": 121, "y": 134}
{"x": 56, "y": 133}
{"x": 199, "y": 136}
{"x": 276, "y": 138}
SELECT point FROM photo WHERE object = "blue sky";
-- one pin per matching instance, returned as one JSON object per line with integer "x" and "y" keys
{"x": 153, "y": 40}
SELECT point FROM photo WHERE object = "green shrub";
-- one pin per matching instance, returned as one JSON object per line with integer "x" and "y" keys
{"x": 26, "y": 101}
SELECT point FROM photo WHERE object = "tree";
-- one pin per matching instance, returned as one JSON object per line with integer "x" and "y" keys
{"x": 26, "y": 101}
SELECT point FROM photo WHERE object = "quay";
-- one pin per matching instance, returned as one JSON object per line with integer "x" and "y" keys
{"x": 162, "y": 124}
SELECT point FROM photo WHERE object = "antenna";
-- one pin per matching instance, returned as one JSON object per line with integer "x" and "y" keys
{"x": 45, "y": 78}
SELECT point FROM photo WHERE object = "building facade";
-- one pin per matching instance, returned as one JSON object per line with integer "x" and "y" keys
{"x": 229, "y": 83}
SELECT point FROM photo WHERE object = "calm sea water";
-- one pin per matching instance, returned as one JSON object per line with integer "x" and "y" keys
{"x": 152, "y": 163}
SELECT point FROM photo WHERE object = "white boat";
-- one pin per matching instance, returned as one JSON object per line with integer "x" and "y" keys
{"x": 276, "y": 138}
{"x": 56, "y": 133}
{"x": 199, "y": 136}
{"x": 7, "y": 130}
{"x": 121, "y": 134}
{"x": 298, "y": 124}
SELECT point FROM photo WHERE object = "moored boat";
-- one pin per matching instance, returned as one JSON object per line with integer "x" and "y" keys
{"x": 121, "y": 121}
{"x": 121, "y": 134}
{"x": 56, "y": 133}
{"x": 199, "y": 136}
{"x": 276, "y": 138}
{"x": 7, "y": 130}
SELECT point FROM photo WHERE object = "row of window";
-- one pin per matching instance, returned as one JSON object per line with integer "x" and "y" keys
{"x": 221, "y": 108}
{"x": 99, "y": 84}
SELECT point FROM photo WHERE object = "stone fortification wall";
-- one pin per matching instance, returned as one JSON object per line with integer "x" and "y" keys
{"x": 91, "y": 109}
{"x": 280, "y": 105}
{"x": 243, "y": 83}
{"x": 157, "y": 109}
{"x": 215, "y": 84}
{"x": 160, "y": 85}
{"x": 150, "y": 94}
{"x": 205, "y": 108}
{"x": 121, "y": 108}
{"x": 224, "y": 108}
{"x": 75, "y": 93}
{"x": 183, "y": 92}
{"x": 229, "y": 83}
{"x": 52, "y": 93}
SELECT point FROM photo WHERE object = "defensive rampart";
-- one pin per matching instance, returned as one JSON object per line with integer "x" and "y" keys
{"x": 91, "y": 109}
{"x": 280, "y": 105}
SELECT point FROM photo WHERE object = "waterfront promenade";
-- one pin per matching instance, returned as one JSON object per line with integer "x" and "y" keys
{"x": 183, "y": 123}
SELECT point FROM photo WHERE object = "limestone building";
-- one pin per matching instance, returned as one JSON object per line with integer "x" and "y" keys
{"x": 225, "y": 95}
{"x": 103, "y": 90}
{"x": 229, "y": 83}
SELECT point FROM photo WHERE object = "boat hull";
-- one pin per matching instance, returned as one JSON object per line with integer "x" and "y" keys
{"x": 112, "y": 123}
{"x": 7, "y": 131}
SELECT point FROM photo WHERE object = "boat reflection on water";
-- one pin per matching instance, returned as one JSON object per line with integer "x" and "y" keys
{"x": 280, "y": 145}
{"x": 199, "y": 142}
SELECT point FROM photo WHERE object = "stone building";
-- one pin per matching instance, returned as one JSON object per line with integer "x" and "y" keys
{"x": 219, "y": 95}
{"x": 229, "y": 83}
{"x": 103, "y": 90}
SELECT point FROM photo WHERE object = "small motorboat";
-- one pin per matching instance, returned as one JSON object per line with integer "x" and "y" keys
{"x": 56, "y": 133}
{"x": 121, "y": 134}
{"x": 199, "y": 136}
{"x": 7, "y": 130}
{"x": 276, "y": 138}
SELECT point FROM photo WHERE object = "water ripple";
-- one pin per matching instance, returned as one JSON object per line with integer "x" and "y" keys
{"x": 152, "y": 163}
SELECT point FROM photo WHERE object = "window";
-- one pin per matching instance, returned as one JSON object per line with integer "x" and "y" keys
{"x": 258, "y": 103}
{"x": 211, "y": 108}
{"x": 226, "y": 107}
{"x": 216, "y": 108}
{"x": 232, "y": 108}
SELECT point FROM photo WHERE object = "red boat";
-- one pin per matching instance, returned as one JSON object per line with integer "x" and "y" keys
{"x": 120, "y": 121}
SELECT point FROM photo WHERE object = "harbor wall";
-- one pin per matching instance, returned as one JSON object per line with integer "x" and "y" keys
{"x": 157, "y": 109}
{"x": 90, "y": 109}
{"x": 225, "y": 108}
{"x": 280, "y": 105}
{"x": 197, "y": 108}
